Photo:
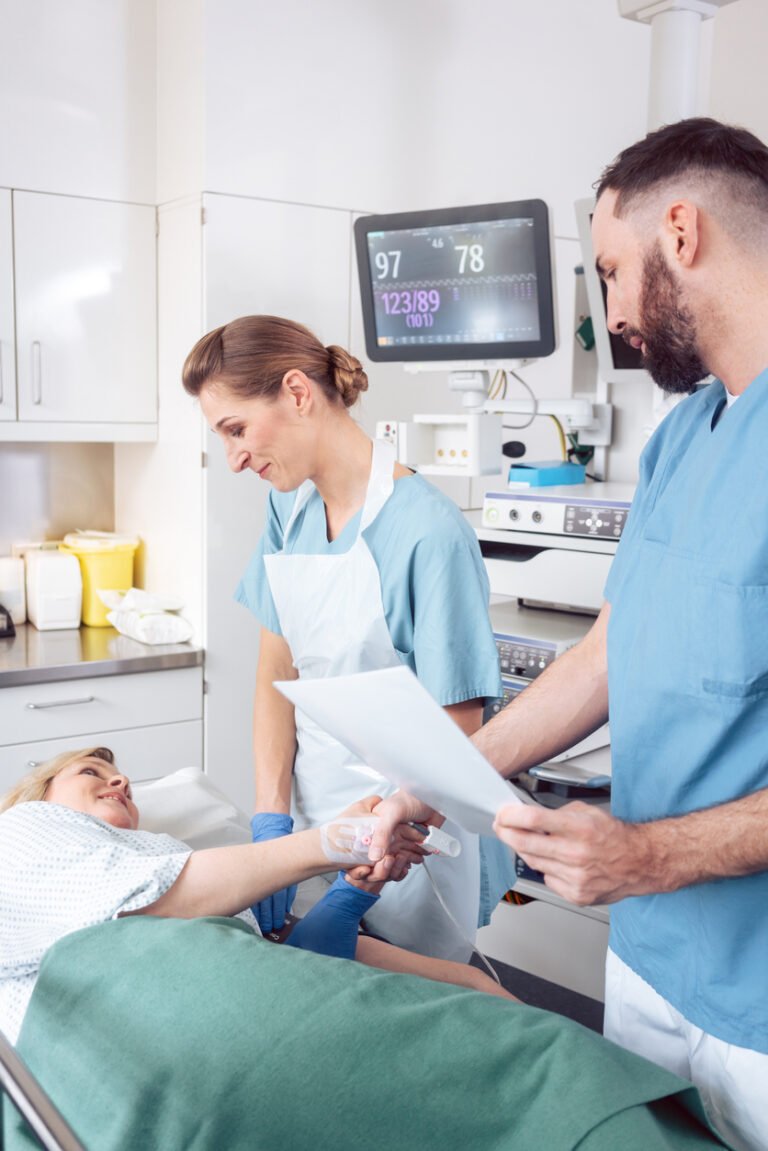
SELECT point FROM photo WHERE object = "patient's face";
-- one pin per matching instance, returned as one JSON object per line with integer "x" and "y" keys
{"x": 96, "y": 788}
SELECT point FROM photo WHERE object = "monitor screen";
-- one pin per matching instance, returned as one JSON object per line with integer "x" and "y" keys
{"x": 457, "y": 283}
{"x": 616, "y": 360}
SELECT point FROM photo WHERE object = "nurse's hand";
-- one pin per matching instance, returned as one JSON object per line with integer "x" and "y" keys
{"x": 400, "y": 808}
{"x": 271, "y": 912}
{"x": 587, "y": 855}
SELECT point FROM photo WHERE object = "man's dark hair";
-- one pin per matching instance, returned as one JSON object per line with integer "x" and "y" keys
{"x": 698, "y": 147}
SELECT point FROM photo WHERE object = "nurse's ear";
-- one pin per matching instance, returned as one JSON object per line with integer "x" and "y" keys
{"x": 298, "y": 389}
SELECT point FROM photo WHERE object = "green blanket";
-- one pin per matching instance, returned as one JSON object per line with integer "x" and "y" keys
{"x": 169, "y": 1035}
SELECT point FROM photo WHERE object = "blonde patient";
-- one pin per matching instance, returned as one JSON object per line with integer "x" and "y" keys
{"x": 75, "y": 815}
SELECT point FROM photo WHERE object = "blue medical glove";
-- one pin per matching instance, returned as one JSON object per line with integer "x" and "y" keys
{"x": 271, "y": 912}
{"x": 330, "y": 927}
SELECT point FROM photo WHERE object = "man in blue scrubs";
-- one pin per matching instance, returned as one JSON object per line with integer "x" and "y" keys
{"x": 679, "y": 652}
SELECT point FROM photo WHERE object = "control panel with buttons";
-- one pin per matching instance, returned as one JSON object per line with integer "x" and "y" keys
{"x": 528, "y": 639}
{"x": 600, "y": 510}
{"x": 510, "y": 690}
{"x": 522, "y": 658}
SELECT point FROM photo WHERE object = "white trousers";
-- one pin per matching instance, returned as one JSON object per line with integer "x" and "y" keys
{"x": 732, "y": 1081}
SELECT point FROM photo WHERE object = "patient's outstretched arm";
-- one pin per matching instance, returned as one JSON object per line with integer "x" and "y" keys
{"x": 377, "y": 953}
{"x": 227, "y": 880}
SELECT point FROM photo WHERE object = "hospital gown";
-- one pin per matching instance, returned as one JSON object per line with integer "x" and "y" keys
{"x": 62, "y": 870}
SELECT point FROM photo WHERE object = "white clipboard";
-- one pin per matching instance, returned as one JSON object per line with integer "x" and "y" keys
{"x": 392, "y": 723}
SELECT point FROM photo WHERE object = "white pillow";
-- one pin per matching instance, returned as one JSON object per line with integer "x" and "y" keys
{"x": 187, "y": 806}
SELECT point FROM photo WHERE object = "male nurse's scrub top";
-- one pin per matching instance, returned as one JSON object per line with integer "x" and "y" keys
{"x": 688, "y": 696}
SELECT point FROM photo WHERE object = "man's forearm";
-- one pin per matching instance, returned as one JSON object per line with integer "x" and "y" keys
{"x": 589, "y": 856}
{"x": 717, "y": 843}
{"x": 567, "y": 702}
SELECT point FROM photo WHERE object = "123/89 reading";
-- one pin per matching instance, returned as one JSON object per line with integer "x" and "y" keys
{"x": 403, "y": 303}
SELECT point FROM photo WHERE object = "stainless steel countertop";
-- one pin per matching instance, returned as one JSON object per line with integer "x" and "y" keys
{"x": 33, "y": 656}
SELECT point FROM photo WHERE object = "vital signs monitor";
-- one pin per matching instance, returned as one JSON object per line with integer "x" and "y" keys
{"x": 471, "y": 283}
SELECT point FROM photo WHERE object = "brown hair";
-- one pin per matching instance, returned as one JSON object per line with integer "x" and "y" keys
{"x": 698, "y": 148}
{"x": 251, "y": 356}
{"x": 34, "y": 785}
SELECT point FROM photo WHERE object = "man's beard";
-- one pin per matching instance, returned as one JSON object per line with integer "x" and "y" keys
{"x": 669, "y": 331}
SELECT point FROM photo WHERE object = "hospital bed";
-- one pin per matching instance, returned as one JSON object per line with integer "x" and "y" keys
{"x": 211, "y": 1039}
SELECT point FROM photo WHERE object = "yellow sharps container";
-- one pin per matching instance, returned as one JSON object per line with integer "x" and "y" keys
{"x": 106, "y": 564}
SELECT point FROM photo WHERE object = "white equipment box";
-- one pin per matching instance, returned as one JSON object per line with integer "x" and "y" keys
{"x": 554, "y": 547}
{"x": 596, "y": 510}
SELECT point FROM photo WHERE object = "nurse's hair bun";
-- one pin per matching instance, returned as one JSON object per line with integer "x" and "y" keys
{"x": 346, "y": 372}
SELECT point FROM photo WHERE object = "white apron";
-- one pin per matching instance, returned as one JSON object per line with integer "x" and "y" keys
{"x": 332, "y": 617}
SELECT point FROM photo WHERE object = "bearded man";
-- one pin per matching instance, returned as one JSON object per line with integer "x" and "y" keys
{"x": 679, "y": 652}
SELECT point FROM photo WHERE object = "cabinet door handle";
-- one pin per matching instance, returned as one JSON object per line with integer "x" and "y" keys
{"x": 1, "y": 371}
{"x": 37, "y": 373}
{"x": 60, "y": 703}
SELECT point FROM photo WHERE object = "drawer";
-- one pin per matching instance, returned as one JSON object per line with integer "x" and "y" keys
{"x": 43, "y": 711}
{"x": 141, "y": 752}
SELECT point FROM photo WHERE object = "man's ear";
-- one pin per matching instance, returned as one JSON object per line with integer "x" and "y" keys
{"x": 682, "y": 224}
{"x": 297, "y": 386}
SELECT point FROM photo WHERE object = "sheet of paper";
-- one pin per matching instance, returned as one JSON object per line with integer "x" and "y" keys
{"x": 392, "y": 723}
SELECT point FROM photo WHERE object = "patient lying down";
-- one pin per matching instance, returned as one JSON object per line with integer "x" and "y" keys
{"x": 158, "y": 1019}
{"x": 71, "y": 856}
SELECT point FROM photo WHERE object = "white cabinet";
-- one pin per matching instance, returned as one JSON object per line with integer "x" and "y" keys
{"x": 279, "y": 259}
{"x": 152, "y": 721}
{"x": 7, "y": 343}
{"x": 86, "y": 323}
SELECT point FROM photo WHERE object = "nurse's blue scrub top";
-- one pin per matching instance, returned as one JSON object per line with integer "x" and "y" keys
{"x": 434, "y": 585}
{"x": 688, "y": 696}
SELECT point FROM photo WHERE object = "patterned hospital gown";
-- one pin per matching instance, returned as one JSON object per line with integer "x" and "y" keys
{"x": 61, "y": 870}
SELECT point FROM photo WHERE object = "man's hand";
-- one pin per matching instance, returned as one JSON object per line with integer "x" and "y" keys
{"x": 400, "y": 808}
{"x": 587, "y": 856}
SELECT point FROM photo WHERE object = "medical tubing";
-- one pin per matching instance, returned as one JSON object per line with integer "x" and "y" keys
{"x": 534, "y": 402}
{"x": 458, "y": 927}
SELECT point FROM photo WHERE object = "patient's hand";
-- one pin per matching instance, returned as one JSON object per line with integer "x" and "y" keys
{"x": 401, "y": 850}
{"x": 360, "y": 877}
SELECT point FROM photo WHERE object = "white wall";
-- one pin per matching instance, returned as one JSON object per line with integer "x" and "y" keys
{"x": 180, "y": 99}
{"x": 389, "y": 107}
{"x": 739, "y": 88}
{"x": 354, "y": 103}
{"x": 159, "y": 488}
{"x": 47, "y": 490}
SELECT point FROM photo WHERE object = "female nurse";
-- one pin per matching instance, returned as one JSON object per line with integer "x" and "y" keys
{"x": 362, "y": 565}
